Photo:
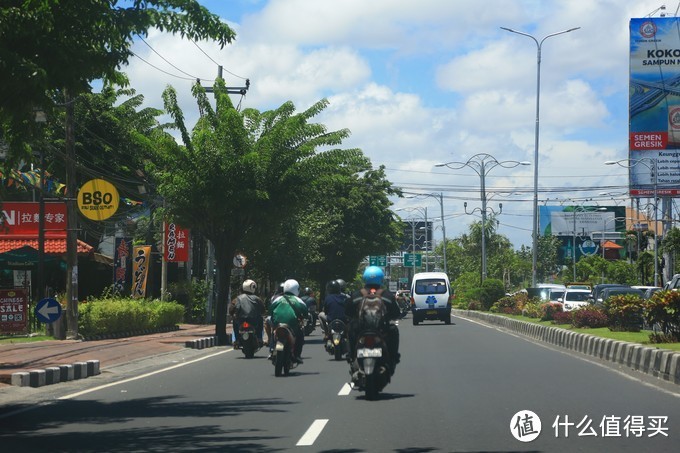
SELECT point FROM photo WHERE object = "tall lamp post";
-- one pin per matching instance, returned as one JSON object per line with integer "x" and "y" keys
{"x": 534, "y": 233}
{"x": 651, "y": 165}
{"x": 482, "y": 164}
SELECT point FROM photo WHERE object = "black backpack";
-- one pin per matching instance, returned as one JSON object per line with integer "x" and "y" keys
{"x": 372, "y": 309}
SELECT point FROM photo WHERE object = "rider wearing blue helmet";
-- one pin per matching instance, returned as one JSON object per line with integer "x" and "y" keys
{"x": 373, "y": 280}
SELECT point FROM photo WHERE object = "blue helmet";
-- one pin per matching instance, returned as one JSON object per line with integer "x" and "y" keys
{"x": 373, "y": 275}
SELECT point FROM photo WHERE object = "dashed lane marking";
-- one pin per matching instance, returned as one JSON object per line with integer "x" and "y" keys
{"x": 309, "y": 437}
{"x": 345, "y": 390}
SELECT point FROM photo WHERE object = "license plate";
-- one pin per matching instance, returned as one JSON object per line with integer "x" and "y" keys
{"x": 366, "y": 352}
{"x": 431, "y": 312}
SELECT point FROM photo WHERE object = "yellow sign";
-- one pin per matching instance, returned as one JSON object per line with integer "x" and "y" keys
{"x": 98, "y": 199}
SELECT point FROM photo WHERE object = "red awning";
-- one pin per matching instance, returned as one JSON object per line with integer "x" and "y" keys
{"x": 53, "y": 246}
{"x": 612, "y": 245}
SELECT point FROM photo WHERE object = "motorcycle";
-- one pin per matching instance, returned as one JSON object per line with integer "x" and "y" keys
{"x": 282, "y": 355}
{"x": 247, "y": 339}
{"x": 310, "y": 322}
{"x": 336, "y": 345}
{"x": 404, "y": 305}
{"x": 373, "y": 364}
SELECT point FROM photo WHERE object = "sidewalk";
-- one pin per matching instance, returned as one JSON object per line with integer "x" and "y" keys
{"x": 19, "y": 357}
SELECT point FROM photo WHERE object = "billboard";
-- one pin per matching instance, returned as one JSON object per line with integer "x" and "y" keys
{"x": 23, "y": 218}
{"x": 654, "y": 107}
{"x": 175, "y": 243}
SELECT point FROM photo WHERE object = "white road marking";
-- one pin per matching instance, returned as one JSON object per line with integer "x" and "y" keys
{"x": 309, "y": 437}
{"x": 142, "y": 376}
{"x": 345, "y": 390}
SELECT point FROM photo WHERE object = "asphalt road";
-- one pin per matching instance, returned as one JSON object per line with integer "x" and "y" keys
{"x": 458, "y": 388}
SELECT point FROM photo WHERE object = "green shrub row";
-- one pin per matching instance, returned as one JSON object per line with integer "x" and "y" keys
{"x": 620, "y": 313}
{"x": 116, "y": 315}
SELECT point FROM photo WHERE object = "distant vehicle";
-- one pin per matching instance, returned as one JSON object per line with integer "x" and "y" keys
{"x": 431, "y": 297}
{"x": 673, "y": 284}
{"x": 544, "y": 291}
{"x": 597, "y": 289}
{"x": 606, "y": 293}
{"x": 579, "y": 286}
{"x": 575, "y": 298}
{"x": 556, "y": 295}
{"x": 649, "y": 292}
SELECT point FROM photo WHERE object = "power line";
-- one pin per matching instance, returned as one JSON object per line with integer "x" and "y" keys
{"x": 218, "y": 64}
{"x": 162, "y": 70}
{"x": 165, "y": 59}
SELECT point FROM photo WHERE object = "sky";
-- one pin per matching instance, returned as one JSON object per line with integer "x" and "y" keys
{"x": 423, "y": 82}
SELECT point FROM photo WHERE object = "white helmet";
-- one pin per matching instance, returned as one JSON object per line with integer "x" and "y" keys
{"x": 292, "y": 287}
{"x": 249, "y": 286}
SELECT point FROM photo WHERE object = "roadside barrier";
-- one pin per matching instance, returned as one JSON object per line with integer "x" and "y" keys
{"x": 661, "y": 363}
{"x": 54, "y": 375}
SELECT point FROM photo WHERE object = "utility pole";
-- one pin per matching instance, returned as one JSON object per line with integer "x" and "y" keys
{"x": 72, "y": 226}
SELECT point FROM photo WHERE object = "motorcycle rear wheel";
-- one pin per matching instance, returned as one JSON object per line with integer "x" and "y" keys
{"x": 371, "y": 388}
{"x": 279, "y": 364}
{"x": 248, "y": 349}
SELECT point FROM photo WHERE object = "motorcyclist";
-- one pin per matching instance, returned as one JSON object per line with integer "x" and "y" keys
{"x": 309, "y": 299}
{"x": 268, "y": 321}
{"x": 247, "y": 307}
{"x": 373, "y": 279}
{"x": 289, "y": 309}
{"x": 333, "y": 306}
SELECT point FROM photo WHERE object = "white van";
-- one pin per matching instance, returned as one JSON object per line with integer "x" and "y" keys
{"x": 431, "y": 297}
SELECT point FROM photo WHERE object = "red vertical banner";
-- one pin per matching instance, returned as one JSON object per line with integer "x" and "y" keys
{"x": 13, "y": 310}
{"x": 141, "y": 259}
{"x": 175, "y": 243}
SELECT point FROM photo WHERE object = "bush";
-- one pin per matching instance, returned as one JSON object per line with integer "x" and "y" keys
{"x": 193, "y": 294}
{"x": 591, "y": 317}
{"x": 532, "y": 309}
{"x": 491, "y": 291}
{"x": 474, "y": 305}
{"x": 111, "y": 316}
{"x": 625, "y": 312}
{"x": 662, "y": 310}
{"x": 549, "y": 310}
{"x": 562, "y": 317}
{"x": 509, "y": 305}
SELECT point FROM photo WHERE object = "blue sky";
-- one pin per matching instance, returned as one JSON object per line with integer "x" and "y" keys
{"x": 419, "y": 82}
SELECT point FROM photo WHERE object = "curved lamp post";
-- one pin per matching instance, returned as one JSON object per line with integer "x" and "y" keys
{"x": 651, "y": 165}
{"x": 482, "y": 164}
{"x": 534, "y": 233}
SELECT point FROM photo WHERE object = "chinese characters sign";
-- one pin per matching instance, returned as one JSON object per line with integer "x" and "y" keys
{"x": 23, "y": 218}
{"x": 122, "y": 264}
{"x": 175, "y": 243}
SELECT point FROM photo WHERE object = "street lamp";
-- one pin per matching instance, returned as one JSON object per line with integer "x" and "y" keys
{"x": 439, "y": 198}
{"x": 651, "y": 165}
{"x": 482, "y": 164}
{"x": 534, "y": 233}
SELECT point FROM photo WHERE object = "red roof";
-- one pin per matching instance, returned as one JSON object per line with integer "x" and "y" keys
{"x": 53, "y": 246}
{"x": 612, "y": 245}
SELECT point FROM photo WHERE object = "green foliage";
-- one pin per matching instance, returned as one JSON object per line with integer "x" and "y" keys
{"x": 663, "y": 311}
{"x": 193, "y": 295}
{"x": 491, "y": 291}
{"x": 625, "y": 312}
{"x": 64, "y": 45}
{"x": 590, "y": 317}
{"x": 111, "y": 316}
{"x": 533, "y": 309}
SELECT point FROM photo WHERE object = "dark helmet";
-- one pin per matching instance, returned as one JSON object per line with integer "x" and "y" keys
{"x": 333, "y": 287}
{"x": 307, "y": 291}
{"x": 342, "y": 284}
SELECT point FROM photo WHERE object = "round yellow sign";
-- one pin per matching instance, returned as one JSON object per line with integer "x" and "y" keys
{"x": 98, "y": 199}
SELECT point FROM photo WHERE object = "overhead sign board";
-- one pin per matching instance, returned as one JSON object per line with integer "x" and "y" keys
{"x": 410, "y": 257}
{"x": 48, "y": 310}
{"x": 98, "y": 199}
{"x": 377, "y": 260}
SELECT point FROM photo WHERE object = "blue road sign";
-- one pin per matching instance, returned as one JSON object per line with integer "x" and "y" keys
{"x": 48, "y": 310}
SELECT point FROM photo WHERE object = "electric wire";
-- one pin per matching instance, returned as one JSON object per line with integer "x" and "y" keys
{"x": 162, "y": 70}
{"x": 168, "y": 62}
{"x": 211, "y": 59}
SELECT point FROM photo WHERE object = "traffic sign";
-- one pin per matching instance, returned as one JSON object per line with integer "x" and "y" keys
{"x": 377, "y": 260}
{"x": 98, "y": 199}
{"x": 48, "y": 310}
{"x": 409, "y": 257}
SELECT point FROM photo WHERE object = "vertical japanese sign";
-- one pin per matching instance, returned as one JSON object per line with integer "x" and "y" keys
{"x": 654, "y": 107}
{"x": 13, "y": 310}
{"x": 175, "y": 243}
{"x": 122, "y": 265}
{"x": 141, "y": 259}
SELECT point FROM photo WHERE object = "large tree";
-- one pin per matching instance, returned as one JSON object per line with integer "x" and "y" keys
{"x": 62, "y": 45}
{"x": 241, "y": 175}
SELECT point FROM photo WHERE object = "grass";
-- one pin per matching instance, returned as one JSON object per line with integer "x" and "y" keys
{"x": 631, "y": 337}
{"x": 25, "y": 339}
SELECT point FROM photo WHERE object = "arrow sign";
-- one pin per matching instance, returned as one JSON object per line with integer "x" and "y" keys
{"x": 48, "y": 310}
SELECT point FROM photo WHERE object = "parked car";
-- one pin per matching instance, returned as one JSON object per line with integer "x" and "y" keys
{"x": 647, "y": 290}
{"x": 575, "y": 298}
{"x": 673, "y": 284}
{"x": 617, "y": 291}
{"x": 597, "y": 289}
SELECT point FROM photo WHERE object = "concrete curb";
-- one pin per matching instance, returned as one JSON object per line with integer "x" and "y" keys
{"x": 135, "y": 333}
{"x": 54, "y": 375}
{"x": 201, "y": 343}
{"x": 661, "y": 363}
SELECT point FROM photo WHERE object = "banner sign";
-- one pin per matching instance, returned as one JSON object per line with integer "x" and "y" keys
{"x": 175, "y": 243}
{"x": 13, "y": 310}
{"x": 23, "y": 218}
{"x": 122, "y": 265}
{"x": 141, "y": 259}
{"x": 654, "y": 107}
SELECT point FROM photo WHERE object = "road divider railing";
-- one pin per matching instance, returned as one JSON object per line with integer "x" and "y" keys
{"x": 56, "y": 374}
